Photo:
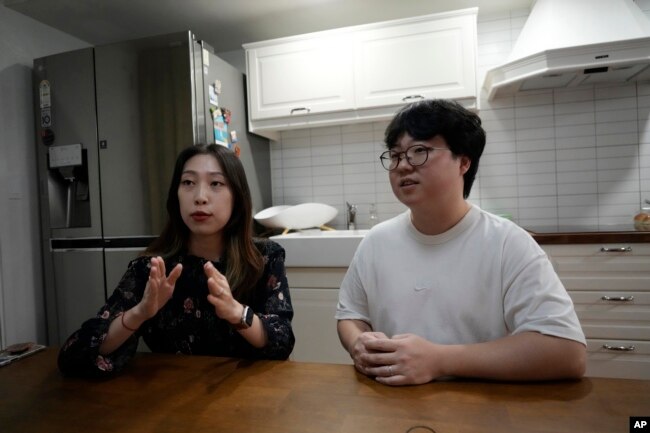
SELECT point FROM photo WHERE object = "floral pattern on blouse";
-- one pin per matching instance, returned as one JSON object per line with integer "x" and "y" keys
{"x": 187, "y": 323}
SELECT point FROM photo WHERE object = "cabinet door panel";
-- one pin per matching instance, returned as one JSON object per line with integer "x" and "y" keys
{"x": 79, "y": 277}
{"x": 434, "y": 59}
{"x": 314, "y": 326}
{"x": 300, "y": 78}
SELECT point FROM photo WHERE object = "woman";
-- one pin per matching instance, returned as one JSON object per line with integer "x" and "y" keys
{"x": 225, "y": 294}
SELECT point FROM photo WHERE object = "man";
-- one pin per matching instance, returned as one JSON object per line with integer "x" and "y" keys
{"x": 446, "y": 289}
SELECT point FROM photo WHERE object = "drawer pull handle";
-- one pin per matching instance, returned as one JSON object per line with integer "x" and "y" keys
{"x": 616, "y": 250}
{"x": 618, "y": 298}
{"x": 412, "y": 97}
{"x": 300, "y": 109}
{"x": 619, "y": 348}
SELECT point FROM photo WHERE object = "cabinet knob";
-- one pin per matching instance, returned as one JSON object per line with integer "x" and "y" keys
{"x": 618, "y": 298}
{"x": 619, "y": 348}
{"x": 616, "y": 250}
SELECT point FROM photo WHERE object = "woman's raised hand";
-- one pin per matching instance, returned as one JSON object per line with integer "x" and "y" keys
{"x": 220, "y": 295}
{"x": 159, "y": 288}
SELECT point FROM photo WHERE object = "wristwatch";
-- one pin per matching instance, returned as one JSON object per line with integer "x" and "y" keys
{"x": 246, "y": 320}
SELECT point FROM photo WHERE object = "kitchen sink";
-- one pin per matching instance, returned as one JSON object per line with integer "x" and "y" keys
{"x": 320, "y": 248}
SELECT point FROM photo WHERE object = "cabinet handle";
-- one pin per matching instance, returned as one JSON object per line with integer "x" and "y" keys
{"x": 616, "y": 250}
{"x": 618, "y": 298}
{"x": 300, "y": 109}
{"x": 619, "y": 348}
{"x": 411, "y": 97}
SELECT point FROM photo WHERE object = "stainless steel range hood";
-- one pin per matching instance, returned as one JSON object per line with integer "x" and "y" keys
{"x": 568, "y": 43}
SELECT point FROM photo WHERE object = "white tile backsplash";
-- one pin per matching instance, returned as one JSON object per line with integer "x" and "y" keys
{"x": 585, "y": 141}
{"x": 575, "y": 177}
{"x": 569, "y": 156}
{"x": 574, "y": 130}
{"x": 577, "y": 189}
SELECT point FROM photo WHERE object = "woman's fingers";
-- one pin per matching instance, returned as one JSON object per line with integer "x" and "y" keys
{"x": 159, "y": 281}
{"x": 174, "y": 274}
{"x": 215, "y": 287}
{"x": 158, "y": 271}
{"x": 212, "y": 272}
{"x": 161, "y": 266}
{"x": 217, "y": 282}
{"x": 154, "y": 272}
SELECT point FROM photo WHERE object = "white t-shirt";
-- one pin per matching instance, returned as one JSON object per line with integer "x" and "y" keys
{"x": 483, "y": 279}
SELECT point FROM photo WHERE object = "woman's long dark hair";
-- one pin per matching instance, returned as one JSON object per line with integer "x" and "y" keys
{"x": 244, "y": 263}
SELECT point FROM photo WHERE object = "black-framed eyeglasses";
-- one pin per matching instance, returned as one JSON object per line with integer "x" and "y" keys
{"x": 415, "y": 155}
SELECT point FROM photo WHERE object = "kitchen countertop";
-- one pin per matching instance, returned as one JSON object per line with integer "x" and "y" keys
{"x": 588, "y": 234}
{"x": 314, "y": 248}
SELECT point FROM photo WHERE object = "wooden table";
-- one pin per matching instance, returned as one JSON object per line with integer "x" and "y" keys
{"x": 174, "y": 393}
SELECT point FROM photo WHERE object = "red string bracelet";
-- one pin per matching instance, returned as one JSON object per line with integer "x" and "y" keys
{"x": 124, "y": 324}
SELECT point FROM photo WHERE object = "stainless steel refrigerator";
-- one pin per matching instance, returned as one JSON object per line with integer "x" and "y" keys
{"x": 110, "y": 121}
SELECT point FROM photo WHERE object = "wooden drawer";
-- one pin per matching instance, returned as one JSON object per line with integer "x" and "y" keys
{"x": 601, "y": 328}
{"x": 602, "y": 265}
{"x": 587, "y": 267}
{"x": 606, "y": 282}
{"x": 607, "y": 301}
{"x": 596, "y": 250}
{"x": 627, "y": 319}
{"x": 626, "y": 359}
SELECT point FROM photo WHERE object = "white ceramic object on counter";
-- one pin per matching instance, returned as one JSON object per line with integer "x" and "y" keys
{"x": 269, "y": 216}
{"x": 298, "y": 217}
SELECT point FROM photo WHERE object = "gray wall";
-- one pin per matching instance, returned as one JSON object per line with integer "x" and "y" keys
{"x": 22, "y": 312}
{"x": 236, "y": 58}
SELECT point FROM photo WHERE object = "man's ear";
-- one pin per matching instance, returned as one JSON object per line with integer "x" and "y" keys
{"x": 465, "y": 164}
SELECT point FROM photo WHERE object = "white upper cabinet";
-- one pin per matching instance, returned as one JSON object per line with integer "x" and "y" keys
{"x": 361, "y": 73}
{"x": 301, "y": 77}
{"x": 434, "y": 58}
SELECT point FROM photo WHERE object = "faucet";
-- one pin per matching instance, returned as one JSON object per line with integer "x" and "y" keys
{"x": 351, "y": 216}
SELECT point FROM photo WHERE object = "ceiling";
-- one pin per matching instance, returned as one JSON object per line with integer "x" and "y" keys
{"x": 226, "y": 25}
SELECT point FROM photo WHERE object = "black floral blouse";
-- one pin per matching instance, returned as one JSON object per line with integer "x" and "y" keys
{"x": 187, "y": 323}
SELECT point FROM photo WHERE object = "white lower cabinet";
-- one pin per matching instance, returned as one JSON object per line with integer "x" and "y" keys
{"x": 609, "y": 285}
{"x": 610, "y": 288}
{"x": 314, "y": 295}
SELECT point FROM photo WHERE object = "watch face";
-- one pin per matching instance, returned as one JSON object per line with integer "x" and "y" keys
{"x": 248, "y": 317}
